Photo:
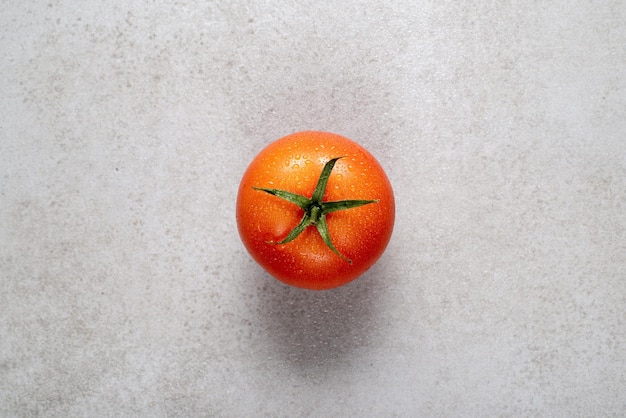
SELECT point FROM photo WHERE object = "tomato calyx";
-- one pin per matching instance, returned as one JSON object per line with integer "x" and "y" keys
{"x": 315, "y": 210}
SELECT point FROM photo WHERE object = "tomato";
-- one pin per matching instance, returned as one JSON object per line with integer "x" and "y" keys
{"x": 315, "y": 210}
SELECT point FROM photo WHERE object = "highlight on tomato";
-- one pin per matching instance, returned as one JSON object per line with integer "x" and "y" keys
{"x": 315, "y": 210}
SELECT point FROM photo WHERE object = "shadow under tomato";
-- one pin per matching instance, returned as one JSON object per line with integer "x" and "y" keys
{"x": 318, "y": 331}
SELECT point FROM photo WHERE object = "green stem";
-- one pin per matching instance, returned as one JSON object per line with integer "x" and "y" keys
{"x": 315, "y": 210}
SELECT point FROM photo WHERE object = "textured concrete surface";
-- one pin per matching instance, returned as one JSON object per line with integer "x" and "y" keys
{"x": 125, "y": 128}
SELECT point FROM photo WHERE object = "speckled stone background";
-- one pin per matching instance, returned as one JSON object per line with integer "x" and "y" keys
{"x": 126, "y": 125}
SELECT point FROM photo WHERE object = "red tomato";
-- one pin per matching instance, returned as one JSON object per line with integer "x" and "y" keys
{"x": 315, "y": 210}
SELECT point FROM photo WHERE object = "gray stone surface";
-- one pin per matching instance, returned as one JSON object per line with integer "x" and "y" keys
{"x": 126, "y": 126}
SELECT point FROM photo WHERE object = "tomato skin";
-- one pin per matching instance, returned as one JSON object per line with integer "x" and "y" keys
{"x": 294, "y": 163}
